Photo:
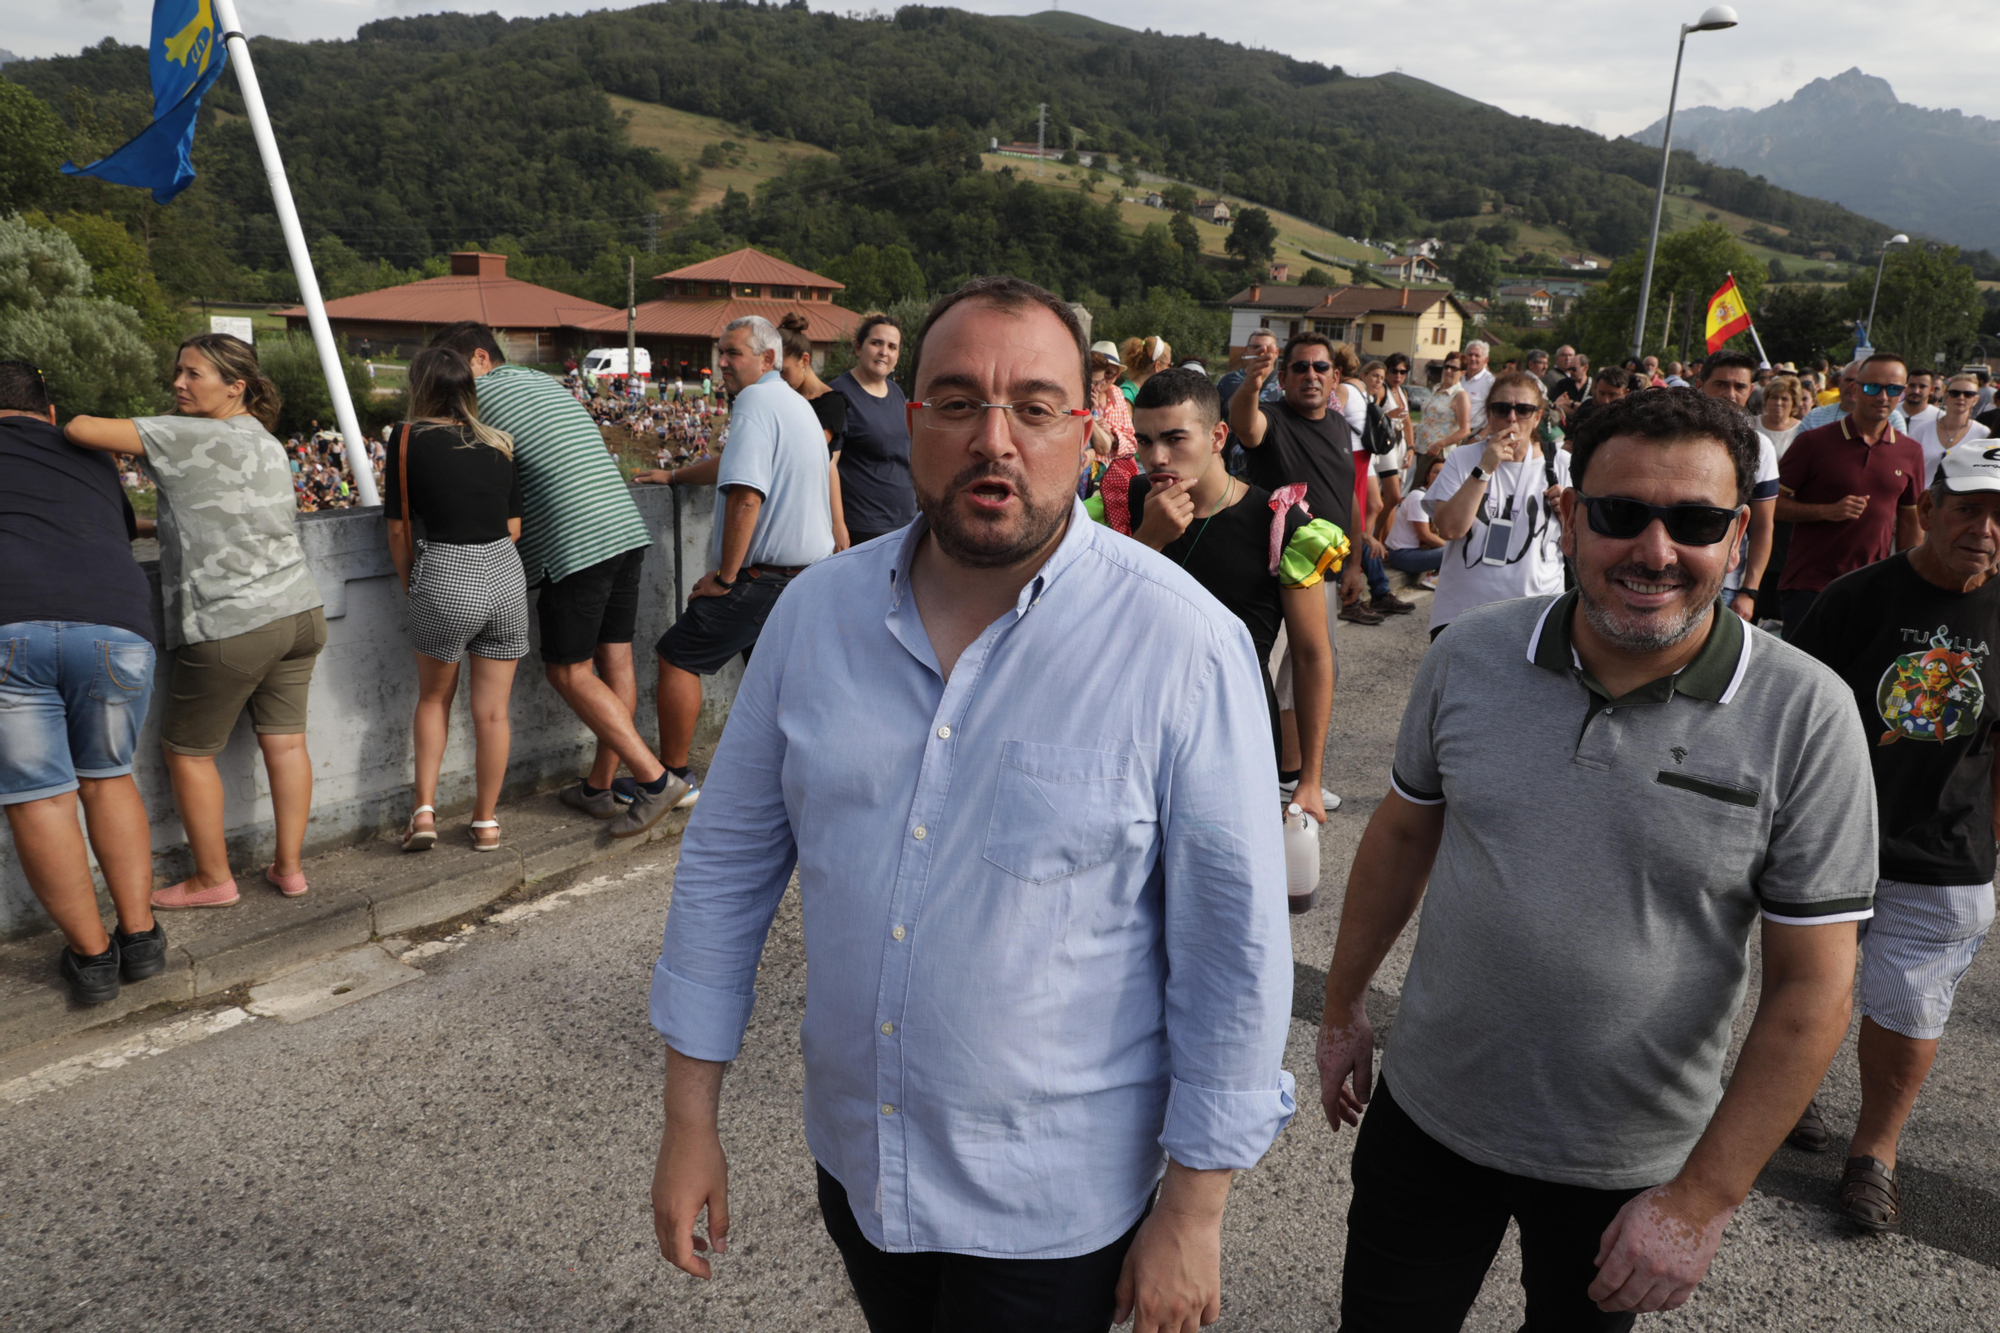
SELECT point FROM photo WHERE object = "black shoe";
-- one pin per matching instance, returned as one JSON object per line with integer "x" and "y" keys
{"x": 1359, "y": 613}
{"x": 142, "y": 955}
{"x": 91, "y": 980}
{"x": 1391, "y": 605}
{"x": 1810, "y": 1134}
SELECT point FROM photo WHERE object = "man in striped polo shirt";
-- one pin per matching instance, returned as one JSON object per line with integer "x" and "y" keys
{"x": 584, "y": 545}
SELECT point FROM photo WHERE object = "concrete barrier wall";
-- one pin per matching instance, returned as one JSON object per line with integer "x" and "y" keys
{"x": 364, "y": 692}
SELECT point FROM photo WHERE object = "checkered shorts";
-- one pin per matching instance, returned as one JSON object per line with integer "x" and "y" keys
{"x": 468, "y": 598}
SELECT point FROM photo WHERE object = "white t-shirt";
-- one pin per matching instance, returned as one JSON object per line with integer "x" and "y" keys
{"x": 1477, "y": 387}
{"x": 1926, "y": 434}
{"x": 1764, "y": 488}
{"x": 1354, "y": 406}
{"x": 1533, "y": 556}
{"x": 1930, "y": 413}
{"x": 1402, "y": 528}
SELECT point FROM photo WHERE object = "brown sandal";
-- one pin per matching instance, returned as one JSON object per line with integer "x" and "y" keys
{"x": 1868, "y": 1195}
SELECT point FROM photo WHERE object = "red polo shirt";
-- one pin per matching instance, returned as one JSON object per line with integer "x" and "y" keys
{"x": 1830, "y": 464}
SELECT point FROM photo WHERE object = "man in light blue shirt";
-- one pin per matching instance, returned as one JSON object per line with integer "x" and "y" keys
{"x": 1044, "y": 903}
{"x": 773, "y": 517}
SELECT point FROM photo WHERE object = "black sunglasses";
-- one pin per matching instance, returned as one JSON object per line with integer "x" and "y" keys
{"x": 1961, "y": 393}
{"x": 1687, "y": 525}
{"x": 1506, "y": 409}
{"x": 1321, "y": 367}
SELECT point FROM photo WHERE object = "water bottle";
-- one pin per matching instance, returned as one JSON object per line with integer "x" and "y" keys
{"x": 1301, "y": 858}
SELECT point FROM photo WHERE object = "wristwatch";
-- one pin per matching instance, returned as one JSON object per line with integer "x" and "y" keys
{"x": 1478, "y": 473}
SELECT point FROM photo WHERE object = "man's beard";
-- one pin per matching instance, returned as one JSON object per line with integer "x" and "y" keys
{"x": 979, "y": 546}
{"x": 1641, "y": 633}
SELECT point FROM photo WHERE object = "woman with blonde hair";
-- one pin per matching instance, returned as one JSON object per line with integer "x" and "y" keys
{"x": 1951, "y": 427}
{"x": 243, "y": 617}
{"x": 467, "y": 590}
{"x": 1143, "y": 358}
{"x": 1785, "y": 405}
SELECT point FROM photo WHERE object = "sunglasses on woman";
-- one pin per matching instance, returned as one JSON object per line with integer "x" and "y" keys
{"x": 1505, "y": 409}
{"x": 1961, "y": 393}
{"x": 1687, "y": 525}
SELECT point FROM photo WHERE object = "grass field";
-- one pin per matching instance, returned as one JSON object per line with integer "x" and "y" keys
{"x": 1295, "y": 234}
{"x": 682, "y": 135}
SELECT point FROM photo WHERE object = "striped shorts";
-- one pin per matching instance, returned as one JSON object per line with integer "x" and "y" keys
{"x": 1915, "y": 948}
{"x": 468, "y": 598}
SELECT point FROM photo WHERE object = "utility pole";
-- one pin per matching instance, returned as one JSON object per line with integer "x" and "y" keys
{"x": 631, "y": 321}
{"x": 1041, "y": 137}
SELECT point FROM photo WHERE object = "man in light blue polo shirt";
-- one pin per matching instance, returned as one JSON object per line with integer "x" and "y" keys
{"x": 773, "y": 517}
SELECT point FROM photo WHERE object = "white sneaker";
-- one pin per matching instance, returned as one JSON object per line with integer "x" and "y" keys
{"x": 1328, "y": 801}
{"x": 1428, "y": 580}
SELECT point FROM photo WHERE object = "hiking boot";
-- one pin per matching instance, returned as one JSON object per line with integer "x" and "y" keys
{"x": 91, "y": 980}
{"x": 649, "y": 808}
{"x": 1360, "y": 613}
{"x": 142, "y": 955}
{"x": 1389, "y": 604}
{"x": 598, "y": 803}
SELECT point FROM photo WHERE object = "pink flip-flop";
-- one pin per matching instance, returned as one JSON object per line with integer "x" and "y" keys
{"x": 177, "y": 896}
{"x": 292, "y": 886}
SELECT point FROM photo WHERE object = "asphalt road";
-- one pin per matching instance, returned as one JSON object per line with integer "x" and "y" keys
{"x": 472, "y": 1150}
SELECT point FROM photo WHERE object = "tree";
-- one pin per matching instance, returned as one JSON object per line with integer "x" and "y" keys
{"x": 118, "y": 269}
{"x": 877, "y": 277}
{"x": 1474, "y": 268}
{"x": 1174, "y": 316}
{"x": 1691, "y": 265}
{"x": 1802, "y": 323}
{"x": 292, "y": 363}
{"x": 1930, "y": 303}
{"x": 1129, "y": 175}
{"x": 1159, "y": 259}
{"x": 1179, "y": 198}
{"x": 92, "y": 350}
{"x": 1181, "y": 227}
{"x": 32, "y": 144}
{"x": 1501, "y": 234}
{"x": 1252, "y": 240}
{"x": 1316, "y": 277}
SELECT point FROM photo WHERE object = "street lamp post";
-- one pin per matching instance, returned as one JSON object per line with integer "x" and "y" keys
{"x": 1714, "y": 20}
{"x": 1880, "y": 264}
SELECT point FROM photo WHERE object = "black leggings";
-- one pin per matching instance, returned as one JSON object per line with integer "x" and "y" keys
{"x": 961, "y": 1293}
{"x": 1426, "y": 1223}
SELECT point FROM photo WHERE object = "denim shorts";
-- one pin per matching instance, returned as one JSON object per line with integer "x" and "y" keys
{"x": 72, "y": 700}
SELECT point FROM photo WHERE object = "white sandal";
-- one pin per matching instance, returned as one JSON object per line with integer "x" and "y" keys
{"x": 420, "y": 839}
{"x": 479, "y": 846}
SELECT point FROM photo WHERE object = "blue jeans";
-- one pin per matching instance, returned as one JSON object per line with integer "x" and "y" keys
{"x": 1418, "y": 559}
{"x": 1378, "y": 577}
{"x": 72, "y": 700}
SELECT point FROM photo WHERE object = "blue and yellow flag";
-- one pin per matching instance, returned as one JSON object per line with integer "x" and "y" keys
{"x": 186, "y": 56}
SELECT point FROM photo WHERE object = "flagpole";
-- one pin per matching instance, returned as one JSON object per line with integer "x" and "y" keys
{"x": 1763, "y": 359}
{"x": 295, "y": 243}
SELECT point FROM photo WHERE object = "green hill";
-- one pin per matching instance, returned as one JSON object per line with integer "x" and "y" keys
{"x": 427, "y": 133}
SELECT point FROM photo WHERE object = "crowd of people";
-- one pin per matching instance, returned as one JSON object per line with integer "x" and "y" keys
{"x": 1066, "y": 647}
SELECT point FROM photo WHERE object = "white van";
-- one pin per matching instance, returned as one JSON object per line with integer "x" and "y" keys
{"x": 611, "y": 361}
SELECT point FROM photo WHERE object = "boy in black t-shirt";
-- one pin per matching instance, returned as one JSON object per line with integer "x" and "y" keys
{"x": 1912, "y": 635}
{"x": 1220, "y": 529}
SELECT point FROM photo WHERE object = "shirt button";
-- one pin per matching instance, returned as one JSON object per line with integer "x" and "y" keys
{"x": 888, "y": 1029}
{"x": 920, "y": 833}
{"x": 897, "y": 933}
{"x": 888, "y": 1109}
{"x": 944, "y": 733}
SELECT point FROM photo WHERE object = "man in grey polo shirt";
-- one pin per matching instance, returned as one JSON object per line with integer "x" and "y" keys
{"x": 1558, "y": 1052}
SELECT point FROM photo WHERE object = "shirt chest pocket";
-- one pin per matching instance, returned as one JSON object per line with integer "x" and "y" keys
{"x": 1057, "y": 810}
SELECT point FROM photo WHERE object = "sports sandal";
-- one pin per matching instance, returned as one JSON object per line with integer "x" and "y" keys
{"x": 1868, "y": 1195}
{"x": 1810, "y": 1134}
{"x": 420, "y": 839}
{"x": 479, "y": 844}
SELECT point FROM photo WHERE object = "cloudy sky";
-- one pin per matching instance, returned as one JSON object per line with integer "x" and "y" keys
{"x": 1605, "y": 66}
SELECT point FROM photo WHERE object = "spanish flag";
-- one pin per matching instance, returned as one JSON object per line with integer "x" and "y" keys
{"x": 1727, "y": 315}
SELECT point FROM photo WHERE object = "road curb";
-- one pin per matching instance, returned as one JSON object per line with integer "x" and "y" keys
{"x": 358, "y": 894}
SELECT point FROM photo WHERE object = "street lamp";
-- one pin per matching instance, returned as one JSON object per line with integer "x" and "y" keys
{"x": 1897, "y": 239}
{"x": 1715, "y": 19}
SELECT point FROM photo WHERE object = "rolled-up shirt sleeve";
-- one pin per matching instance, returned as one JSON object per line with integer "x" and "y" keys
{"x": 736, "y": 858}
{"x": 1228, "y": 937}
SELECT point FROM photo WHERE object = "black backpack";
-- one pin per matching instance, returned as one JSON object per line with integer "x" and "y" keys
{"x": 1376, "y": 436}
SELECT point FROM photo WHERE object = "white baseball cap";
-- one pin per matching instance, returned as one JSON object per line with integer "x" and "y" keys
{"x": 1972, "y": 466}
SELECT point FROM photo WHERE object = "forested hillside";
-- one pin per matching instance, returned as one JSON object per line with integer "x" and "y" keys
{"x": 427, "y": 133}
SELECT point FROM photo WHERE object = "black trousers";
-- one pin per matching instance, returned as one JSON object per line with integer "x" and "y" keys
{"x": 1426, "y": 1223}
{"x": 961, "y": 1293}
{"x": 1793, "y": 604}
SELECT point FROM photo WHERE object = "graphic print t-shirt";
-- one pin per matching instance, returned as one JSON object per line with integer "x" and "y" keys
{"x": 1916, "y": 657}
